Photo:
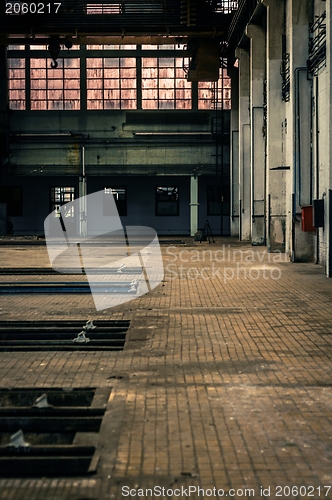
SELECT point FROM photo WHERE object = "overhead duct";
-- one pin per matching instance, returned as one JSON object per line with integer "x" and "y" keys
{"x": 204, "y": 60}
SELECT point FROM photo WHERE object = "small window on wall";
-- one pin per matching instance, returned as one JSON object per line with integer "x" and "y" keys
{"x": 12, "y": 195}
{"x": 120, "y": 196}
{"x": 16, "y": 83}
{"x": 214, "y": 197}
{"x": 60, "y": 196}
{"x": 167, "y": 200}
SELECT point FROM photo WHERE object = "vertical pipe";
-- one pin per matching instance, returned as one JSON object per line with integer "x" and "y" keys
{"x": 221, "y": 149}
{"x": 297, "y": 166}
{"x": 317, "y": 162}
{"x": 240, "y": 219}
{"x": 269, "y": 217}
{"x": 293, "y": 231}
{"x": 82, "y": 199}
{"x": 83, "y": 161}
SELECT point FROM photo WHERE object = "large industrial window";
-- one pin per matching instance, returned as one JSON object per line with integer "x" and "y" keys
{"x": 111, "y": 83}
{"x": 120, "y": 196}
{"x": 57, "y": 88}
{"x": 101, "y": 8}
{"x": 16, "y": 76}
{"x": 167, "y": 200}
{"x": 111, "y": 47}
{"x": 12, "y": 195}
{"x": 164, "y": 85}
{"x": 215, "y": 95}
{"x": 168, "y": 46}
{"x": 60, "y": 196}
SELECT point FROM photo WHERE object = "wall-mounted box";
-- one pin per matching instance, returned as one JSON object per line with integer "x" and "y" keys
{"x": 307, "y": 220}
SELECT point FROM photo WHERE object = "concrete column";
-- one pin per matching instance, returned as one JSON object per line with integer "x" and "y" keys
{"x": 257, "y": 37}
{"x": 276, "y": 175}
{"x": 244, "y": 145}
{"x": 297, "y": 137}
{"x": 234, "y": 152}
{"x": 328, "y": 217}
{"x": 193, "y": 205}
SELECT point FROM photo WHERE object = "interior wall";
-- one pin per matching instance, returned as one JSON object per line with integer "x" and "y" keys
{"x": 141, "y": 202}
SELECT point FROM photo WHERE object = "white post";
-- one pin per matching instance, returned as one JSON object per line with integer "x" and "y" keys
{"x": 82, "y": 199}
{"x": 193, "y": 205}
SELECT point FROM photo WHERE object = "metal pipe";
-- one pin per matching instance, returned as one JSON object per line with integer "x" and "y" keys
{"x": 62, "y": 134}
{"x": 253, "y": 163}
{"x": 296, "y": 155}
{"x": 297, "y": 164}
{"x": 317, "y": 163}
{"x": 83, "y": 160}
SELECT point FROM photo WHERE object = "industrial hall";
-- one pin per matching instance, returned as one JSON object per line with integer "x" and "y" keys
{"x": 165, "y": 249}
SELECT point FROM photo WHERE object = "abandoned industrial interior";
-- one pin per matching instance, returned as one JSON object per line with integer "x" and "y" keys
{"x": 165, "y": 249}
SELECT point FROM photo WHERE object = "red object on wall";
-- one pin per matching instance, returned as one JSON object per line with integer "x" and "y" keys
{"x": 307, "y": 219}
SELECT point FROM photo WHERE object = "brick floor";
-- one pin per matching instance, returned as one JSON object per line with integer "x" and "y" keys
{"x": 224, "y": 382}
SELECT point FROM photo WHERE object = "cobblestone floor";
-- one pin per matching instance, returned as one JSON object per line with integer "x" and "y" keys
{"x": 225, "y": 382}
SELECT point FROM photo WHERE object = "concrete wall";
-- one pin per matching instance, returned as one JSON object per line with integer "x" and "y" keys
{"x": 51, "y": 140}
{"x": 296, "y": 122}
{"x": 140, "y": 202}
{"x": 138, "y": 149}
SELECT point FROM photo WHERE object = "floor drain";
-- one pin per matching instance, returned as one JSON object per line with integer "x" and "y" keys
{"x": 56, "y": 440}
{"x": 63, "y": 335}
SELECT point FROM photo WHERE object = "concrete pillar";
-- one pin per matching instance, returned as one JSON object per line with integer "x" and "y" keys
{"x": 244, "y": 145}
{"x": 276, "y": 175}
{"x": 193, "y": 205}
{"x": 298, "y": 138}
{"x": 328, "y": 217}
{"x": 257, "y": 37}
{"x": 234, "y": 152}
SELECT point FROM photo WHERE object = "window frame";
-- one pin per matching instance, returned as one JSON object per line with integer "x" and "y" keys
{"x": 120, "y": 103}
{"x": 187, "y": 96}
{"x": 157, "y": 202}
{"x": 162, "y": 64}
{"x": 14, "y": 208}
{"x": 62, "y": 202}
{"x": 60, "y": 74}
{"x": 121, "y": 205}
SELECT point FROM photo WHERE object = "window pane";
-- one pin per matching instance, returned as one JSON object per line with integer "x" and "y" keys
{"x": 119, "y": 195}
{"x": 16, "y": 84}
{"x": 12, "y": 196}
{"x": 55, "y": 81}
{"x": 117, "y": 76}
{"x": 59, "y": 196}
{"x": 215, "y": 95}
{"x": 167, "y": 200}
{"x": 167, "y": 79}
